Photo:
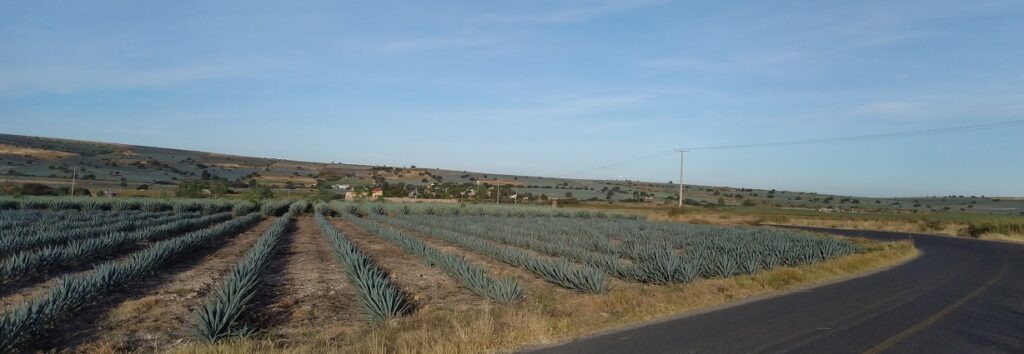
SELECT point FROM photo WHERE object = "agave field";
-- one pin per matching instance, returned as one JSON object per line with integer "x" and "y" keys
{"x": 73, "y": 270}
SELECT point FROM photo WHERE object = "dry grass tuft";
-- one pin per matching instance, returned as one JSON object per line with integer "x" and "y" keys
{"x": 550, "y": 316}
{"x": 42, "y": 154}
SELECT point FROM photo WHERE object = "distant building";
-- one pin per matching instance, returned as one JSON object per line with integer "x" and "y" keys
{"x": 342, "y": 189}
{"x": 498, "y": 182}
{"x": 377, "y": 193}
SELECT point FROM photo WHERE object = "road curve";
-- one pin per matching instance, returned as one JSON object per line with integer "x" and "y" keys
{"x": 960, "y": 296}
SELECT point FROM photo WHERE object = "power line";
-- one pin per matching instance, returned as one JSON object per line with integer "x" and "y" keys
{"x": 951, "y": 130}
{"x": 936, "y": 131}
{"x": 638, "y": 159}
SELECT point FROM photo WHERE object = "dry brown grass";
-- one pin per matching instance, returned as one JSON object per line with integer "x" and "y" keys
{"x": 281, "y": 179}
{"x": 550, "y": 316}
{"x": 947, "y": 228}
{"x": 163, "y": 312}
{"x": 1003, "y": 237}
{"x": 41, "y": 154}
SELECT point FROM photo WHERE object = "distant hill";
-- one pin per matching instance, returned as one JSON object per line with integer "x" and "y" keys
{"x": 101, "y": 165}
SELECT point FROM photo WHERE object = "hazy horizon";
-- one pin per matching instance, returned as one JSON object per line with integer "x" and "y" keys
{"x": 541, "y": 88}
{"x": 556, "y": 177}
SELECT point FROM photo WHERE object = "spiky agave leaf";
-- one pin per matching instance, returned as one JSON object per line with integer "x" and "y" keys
{"x": 475, "y": 278}
{"x": 375, "y": 291}
{"x": 28, "y": 321}
{"x": 220, "y": 315}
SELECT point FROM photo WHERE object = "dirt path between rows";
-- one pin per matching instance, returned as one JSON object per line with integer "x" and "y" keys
{"x": 429, "y": 286}
{"x": 15, "y": 293}
{"x": 495, "y": 267}
{"x": 163, "y": 315}
{"x": 308, "y": 292}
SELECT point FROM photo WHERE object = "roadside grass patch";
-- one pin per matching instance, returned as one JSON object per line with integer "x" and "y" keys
{"x": 552, "y": 315}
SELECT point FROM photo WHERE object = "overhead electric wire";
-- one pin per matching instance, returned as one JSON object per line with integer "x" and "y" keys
{"x": 936, "y": 131}
{"x": 638, "y": 159}
{"x": 950, "y": 130}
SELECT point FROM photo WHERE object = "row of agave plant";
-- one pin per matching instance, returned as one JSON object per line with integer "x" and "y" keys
{"x": 206, "y": 206}
{"x": 519, "y": 211}
{"x": 78, "y": 251}
{"x": 275, "y": 207}
{"x": 223, "y": 313}
{"x": 20, "y": 219}
{"x": 560, "y": 271}
{"x": 375, "y": 291}
{"x": 762, "y": 248}
{"x": 115, "y": 204}
{"x": 24, "y": 238}
{"x": 659, "y": 266}
{"x": 22, "y": 324}
{"x": 475, "y": 278}
{"x": 656, "y": 252}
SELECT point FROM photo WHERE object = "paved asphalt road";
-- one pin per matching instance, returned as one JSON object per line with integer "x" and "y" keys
{"x": 959, "y": 296}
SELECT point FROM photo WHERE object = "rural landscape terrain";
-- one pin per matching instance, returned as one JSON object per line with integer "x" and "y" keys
{"x": 229, "y": 253}
{"x": 140, "y": 171}
{"x": 529, "y": 177}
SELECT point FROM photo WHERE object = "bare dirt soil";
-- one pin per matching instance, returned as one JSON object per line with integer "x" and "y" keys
{"x": 429, "y": 286}
{"x": 42, "y": 154}
{"x": 14, "y": 293}
{"x": 497, "y": 268}
{"x": 158, "y": 311}
{"x": 307, "y": 289}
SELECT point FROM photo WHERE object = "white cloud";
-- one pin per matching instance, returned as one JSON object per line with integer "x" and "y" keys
{"x": 672, "y": 64}
{"x": 564, "y": 107}
{"x": 893, "y": 110}
{"x": 424, "y": 44}
{"x": 66, "y": 79}
{"x": 772, "y": 58}
{"x": 748, "y": 61}
{"x": 576, "y": 14}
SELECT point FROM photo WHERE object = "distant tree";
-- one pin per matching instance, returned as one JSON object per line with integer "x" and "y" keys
{"x": 325, "y": 195}
{"x": 218, "y": 188}
{"x": 189, "y": 189}
{"x": 258, "y": 193}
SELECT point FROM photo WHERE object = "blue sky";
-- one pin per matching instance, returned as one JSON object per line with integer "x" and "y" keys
{"x": 540, "y": 87}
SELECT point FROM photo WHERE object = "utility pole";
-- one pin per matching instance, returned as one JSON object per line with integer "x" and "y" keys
{"x": 498, "y": 199}
{"x": 681, "y": 151}
{"x": 74, "y": 175}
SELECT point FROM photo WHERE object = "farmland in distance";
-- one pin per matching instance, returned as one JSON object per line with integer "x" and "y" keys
{"x": 181, "y": 275}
